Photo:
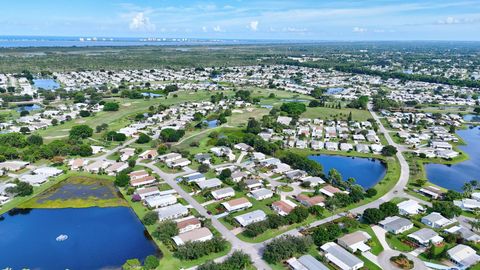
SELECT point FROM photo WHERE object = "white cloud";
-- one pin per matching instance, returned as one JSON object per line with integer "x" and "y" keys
{"x": 217, "y": 28}
{"x": 204, "y": 29}
{"x": 140, "y": 22}
{"x": 357, "y": 29}
{"x": 253, "y": 25}
{"x": 449, "y": 20}
{"x": 294, "y": 29}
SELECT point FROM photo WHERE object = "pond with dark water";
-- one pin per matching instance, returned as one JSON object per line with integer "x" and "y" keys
{"x": 96, "y": 238}
{"x": 456, "y": 175}
{"x": 367, "y": 172}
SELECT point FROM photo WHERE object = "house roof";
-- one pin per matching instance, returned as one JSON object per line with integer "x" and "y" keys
{"x": 341, "y": 254}
{"x": 395, "y": 223}
{"x": 187, "y": 222}
{"x": 464, "y": 255}
{"x": 354, "y": 238}
{"x": 310, "y": 263}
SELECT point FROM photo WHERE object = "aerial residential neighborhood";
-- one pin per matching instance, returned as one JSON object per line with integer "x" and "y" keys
{"x": 228, "y": 135}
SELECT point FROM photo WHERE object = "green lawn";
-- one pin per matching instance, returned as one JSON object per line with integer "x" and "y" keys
{"x": 330, "y": 113}
{"x": 395, "y": 242}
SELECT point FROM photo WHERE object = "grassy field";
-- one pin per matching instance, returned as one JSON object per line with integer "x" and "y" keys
{"x": 78, "y": 192}
{"x": 124, "y": 116}
{"x": 330, "y": 114}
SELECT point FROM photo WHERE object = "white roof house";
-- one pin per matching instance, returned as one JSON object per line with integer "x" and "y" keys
{"x": 48, "y": 171}
{"x": 463, "y": 256}
{"x": 251, "y": 217}
{"x": 223, "y": 193}
{"x": 409, "y": 207}
{"x": 197, "y": 235}
{"x": 160, "y": 201}
{"x": 33, "y": 179}
{"x": 340, "y": 257}
{"x": 171, "y": 212}
{"x": 209, "y": 183}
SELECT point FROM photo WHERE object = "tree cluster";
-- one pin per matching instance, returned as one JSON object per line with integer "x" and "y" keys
{"x": 285, "y": 247}
{"x": 195, "y": 250}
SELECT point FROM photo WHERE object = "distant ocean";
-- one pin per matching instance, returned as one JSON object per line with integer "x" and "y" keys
{"x": 39, "y": 41}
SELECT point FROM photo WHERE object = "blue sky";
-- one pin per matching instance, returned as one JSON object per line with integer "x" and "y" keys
{"x": 244, "y": 19}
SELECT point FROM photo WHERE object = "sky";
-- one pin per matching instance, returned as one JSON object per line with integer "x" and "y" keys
{"x": 245, "y": 19}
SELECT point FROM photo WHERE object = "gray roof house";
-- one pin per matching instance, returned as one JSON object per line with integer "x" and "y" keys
{"x": 463, "y": 256}
{"x": 306, "y": 262}
{"x": 340, "y": 257}
{"x": 209, "y": 183}
{"x": 251, "y": 217}
{"x": 435, "y": 220}
{"x": 466, "y": 233}
{"x": 396, "y": 224}
{"x": 425, "y": 235}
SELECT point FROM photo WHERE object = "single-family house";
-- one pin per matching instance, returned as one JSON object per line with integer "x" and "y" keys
{"x": 261, "y": 194}
{"x": 425, "y": 235}
{"x": 209, "y": 183}
{"x": 171, "y": 212}
{"x": 329, "y": 190}
{"x": 149, "y": 154}
{"x": 160, "y": 201}
{"x": 340, "y": 257}
{"x": 188, "y": 224}
{"x": 237, "y": 204}
{"x": 463, "y": 256}
{"x": 223, "y": 193}
{"x": 396, "y": 224}
{"x": 436, "y": 220}
{"x": 198, "y": 235}
{"x": 409, "y": 207}
{"x": 283, "y": 207}
{"x": 146, "y": 180}
{"x": 251, "y": 217}
{"x": 306, "y": 262}
{"x": 310, "y": 201}
{"x": 355, "y": 241}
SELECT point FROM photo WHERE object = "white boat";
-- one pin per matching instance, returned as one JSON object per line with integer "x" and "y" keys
{"x": 61, "y": 237}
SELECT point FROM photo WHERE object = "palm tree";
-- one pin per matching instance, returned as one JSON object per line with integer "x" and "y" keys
{"x": 475, "y": 224}
{"x": 474, "y": 184}
{"x": 467, "y": 189}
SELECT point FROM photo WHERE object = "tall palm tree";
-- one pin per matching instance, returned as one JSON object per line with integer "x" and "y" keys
{"x": 467, "y": 189}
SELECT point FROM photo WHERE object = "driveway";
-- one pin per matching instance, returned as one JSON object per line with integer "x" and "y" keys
{"x": 380, "y": 233}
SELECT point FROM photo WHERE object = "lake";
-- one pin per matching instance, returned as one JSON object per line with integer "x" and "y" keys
{"x": 98, "y": 238}
{"x": 47, "y": 84}
{"x": 471, "y": 117}
{"x": 334, "y": 90}
{"x": 367, "y": 172}
{"x": 211, "y": 123}
{"x": 29, "y": 107}
{"x": 454, "y": 176}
